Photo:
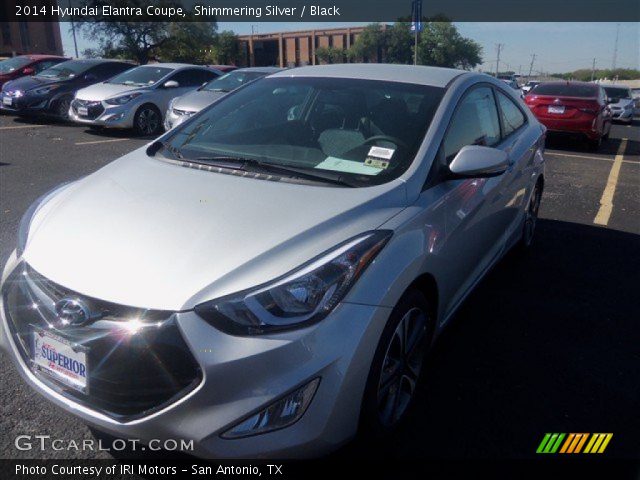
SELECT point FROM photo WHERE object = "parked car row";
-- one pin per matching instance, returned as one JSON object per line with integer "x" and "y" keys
{"x": 116, "y": 94}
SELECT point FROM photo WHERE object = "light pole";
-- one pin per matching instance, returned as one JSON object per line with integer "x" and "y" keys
{"x": 416, "y": 26}
{"x": 73, "y": 32}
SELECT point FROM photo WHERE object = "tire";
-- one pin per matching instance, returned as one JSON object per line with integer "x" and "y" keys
{"x": 62, "y": 108}
{"x": 147, "y": 121}
{"x": 594, "y": 145}
{"x": 531, "y": 218}
{"x": 395, "y": 371}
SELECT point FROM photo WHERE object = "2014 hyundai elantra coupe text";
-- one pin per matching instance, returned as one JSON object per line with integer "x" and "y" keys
{"x": 265, "y": 278}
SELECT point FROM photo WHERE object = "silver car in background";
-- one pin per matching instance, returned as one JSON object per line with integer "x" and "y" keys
{"x": 181, "y": 108}
{"x": 621, "y": 102}
{"x": 137, "y": 98}
{"x": 267, "y": 277}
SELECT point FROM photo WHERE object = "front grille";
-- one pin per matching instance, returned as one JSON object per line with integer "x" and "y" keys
{"x": 94, "y": 109}
{"x": 131, "y": 373}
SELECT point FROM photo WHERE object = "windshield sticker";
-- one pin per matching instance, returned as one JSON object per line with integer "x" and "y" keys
{"x": 347, "y": 166}
{"x": 377, "y": 163}
{"x": 381, "y": 152}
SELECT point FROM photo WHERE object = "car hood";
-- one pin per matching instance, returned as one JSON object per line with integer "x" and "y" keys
{"x": 29, "y": 82}
{"x": 147, "y": 233}
{"x": 197, "y": 100}
{"x": 102, "y": 91}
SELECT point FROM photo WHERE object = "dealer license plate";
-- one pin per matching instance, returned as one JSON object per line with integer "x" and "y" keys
{"x": 83, "y": 111}
{"x": 60, "y": 359}
{"x": 555, "y": 109}
{"x": 6, "y": 100}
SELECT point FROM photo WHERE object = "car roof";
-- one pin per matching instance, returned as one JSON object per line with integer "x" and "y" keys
{"x": 174, "y": 66}
{"x": 613, "y": 85}
{"x": 96, "y": 61}
{"x": 421, "y": 75}
{"x": 260, "y": 69}
{"x": 45, "y": 57}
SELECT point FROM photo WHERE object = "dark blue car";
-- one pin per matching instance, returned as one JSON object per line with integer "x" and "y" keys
{"x": 51, "y": 91}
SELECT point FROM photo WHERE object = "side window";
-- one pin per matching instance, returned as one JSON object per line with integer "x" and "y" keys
{"x": 114, "y": 69}
{"x": 101, "y": 72}
{"x": 475, "y": 122}
{"x": 188, "y": 78}
{"x": 512, "y": 117}
{"x": 204, "y": 76}
{"x": 41, "y": 66}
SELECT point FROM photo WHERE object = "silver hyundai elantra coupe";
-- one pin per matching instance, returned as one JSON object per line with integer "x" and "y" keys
{"x": 266, "y": 278}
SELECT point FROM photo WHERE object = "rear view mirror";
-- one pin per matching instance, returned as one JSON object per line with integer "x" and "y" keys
{"x": 475, "y": 161}
{"x": 28, "y": 71}
{"x": 171, "y": 84}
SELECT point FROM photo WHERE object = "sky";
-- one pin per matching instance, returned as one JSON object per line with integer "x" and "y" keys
{"x": 559, "y": 47}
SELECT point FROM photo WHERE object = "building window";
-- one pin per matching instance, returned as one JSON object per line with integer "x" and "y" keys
{"x": 51, "y": 39}
{"x": 24, "y": 35}
{"x": 6, "y": 33}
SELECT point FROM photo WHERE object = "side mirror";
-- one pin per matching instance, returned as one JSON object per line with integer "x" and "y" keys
{"x": 475, "y": 161}
{"x": 28, "y": 71}
{"x": 171, "y": 84}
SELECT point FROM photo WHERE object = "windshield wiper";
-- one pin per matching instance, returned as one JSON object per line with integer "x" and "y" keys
{"x": 241, "y": 163}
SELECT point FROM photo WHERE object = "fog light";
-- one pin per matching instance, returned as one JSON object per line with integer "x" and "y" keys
{"x": 281, "y": 413}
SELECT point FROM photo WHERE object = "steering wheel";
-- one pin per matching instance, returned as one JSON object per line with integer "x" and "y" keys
{"x": 385, "y": 138}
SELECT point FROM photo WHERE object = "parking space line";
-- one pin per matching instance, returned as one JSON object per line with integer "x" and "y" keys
{"x": 103, "y": 141}
{"x": 606, "y": 202}
{"x": 22, "y": 126}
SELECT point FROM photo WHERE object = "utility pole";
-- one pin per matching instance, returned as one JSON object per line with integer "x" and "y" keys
{"x": 416, "y": 26}
{"x": 73, "y": 32}
{"x": 499, "y": 47}
{"x": 533, "y": 58}
{"x": 615, "y": 48}
{"x": 593, "y": 69}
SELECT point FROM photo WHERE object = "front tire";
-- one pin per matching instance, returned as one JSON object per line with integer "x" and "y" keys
{"x": 147, "y": 121}
{"x": 397, "y": 363}
{"x": 62, "y": 108}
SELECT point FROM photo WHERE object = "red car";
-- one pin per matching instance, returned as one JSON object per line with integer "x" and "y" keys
{"x": 24, "y": 65}
{"x": 576, "y": 108}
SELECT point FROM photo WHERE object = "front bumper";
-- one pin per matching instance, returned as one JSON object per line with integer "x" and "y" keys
{"x": 103, "y": 114}
{"x": 26, "y": 104}
{"x": 241, "y": 375}
{"x": 174, "y": 117}
{"x": 584, "y": 127}
{"x": 623, "y": 115}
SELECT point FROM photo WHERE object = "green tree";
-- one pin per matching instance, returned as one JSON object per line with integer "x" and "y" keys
{"x": 226, "y": 48}
{"x": 132, "y": 38}
{"x": 441, "y": 45}
{"x": 330, "y": 54}
{"x": 399, "y": 43}
{"x": 188, "y": 42}
{"x": 369, "y": 45}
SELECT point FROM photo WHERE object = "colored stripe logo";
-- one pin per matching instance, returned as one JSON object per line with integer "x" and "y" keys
{"x": 574, "y": 443}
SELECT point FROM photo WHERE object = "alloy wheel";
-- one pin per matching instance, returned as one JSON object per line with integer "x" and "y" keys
{"x": 63, "y": 108}
{"x": 401, "y": 366}
{"x": 148, "y": 121}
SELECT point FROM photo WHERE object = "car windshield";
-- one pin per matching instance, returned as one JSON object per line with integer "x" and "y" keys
{"x": 566, "y": 90}
{"x": 12, "y": 64}
{"x": 365, "y": 131}
{"x": 231, "y": 81}
{"x": 69, "y": 69}
{"x": 617, "y": 92}
{"x": 141, "y": 76}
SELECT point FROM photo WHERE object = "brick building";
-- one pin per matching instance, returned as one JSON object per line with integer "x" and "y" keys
{"x": 292, "y": 49}
{"x": 17, "y": 38}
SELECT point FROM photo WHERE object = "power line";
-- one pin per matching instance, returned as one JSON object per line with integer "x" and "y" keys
{"x": 615, "y": 48}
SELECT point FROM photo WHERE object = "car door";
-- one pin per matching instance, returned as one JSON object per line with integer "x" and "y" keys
{"x": 476, "y": 220}
{"x": 520, "y": 145}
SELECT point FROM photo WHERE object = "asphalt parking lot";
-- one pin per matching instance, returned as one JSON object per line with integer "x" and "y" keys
{"x": 549, "y": 342}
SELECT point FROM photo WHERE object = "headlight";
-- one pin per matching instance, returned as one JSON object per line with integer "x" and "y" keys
{"x": 628, "y": 106}
{"x": 173, "y": 100}
{"x": 25, "y": 222}
{"x": 299, "y": 298}
{"x": 45, "y": 90}
{"x": 123, "y": 99}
